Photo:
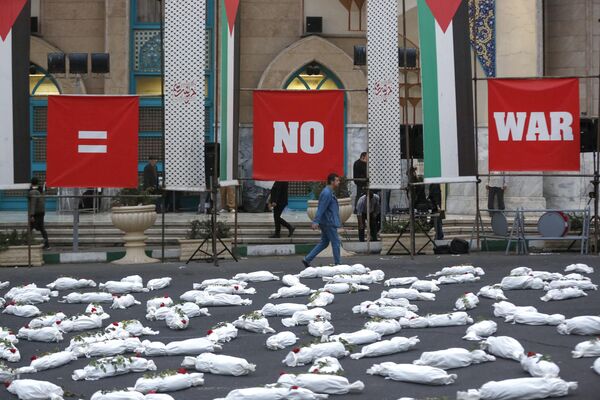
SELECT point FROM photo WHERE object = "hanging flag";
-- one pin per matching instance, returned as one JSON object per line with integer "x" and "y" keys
{"x": 185, "y": 63}
{"x": 14, "y": 94}
{"x": 93, "y": 141}
{"x": 230, "y": 84}
{"x": 448, "y": 137}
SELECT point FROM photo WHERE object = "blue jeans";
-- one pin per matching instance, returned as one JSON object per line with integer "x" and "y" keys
{"x": 328, "y": 235}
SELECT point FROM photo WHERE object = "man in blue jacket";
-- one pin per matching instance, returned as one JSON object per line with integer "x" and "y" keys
{"x": 328, "y": 220}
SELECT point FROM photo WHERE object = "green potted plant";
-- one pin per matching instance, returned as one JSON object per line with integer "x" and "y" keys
{"x": 134, "y": 211}
{"x": 201, "y": 231}
{"x": 342, "y": 193}
{"x": 14, "y": 250}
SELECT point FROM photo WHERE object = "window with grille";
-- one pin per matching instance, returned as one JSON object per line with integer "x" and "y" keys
{"x": 40, "y": 114}
{"x": 39, "y": 149}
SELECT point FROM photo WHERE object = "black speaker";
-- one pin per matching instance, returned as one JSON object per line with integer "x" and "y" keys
{"x": 589, "y": 132}
{"x": 211, "y": 152}
{"x": 411, "y": 57}
{"x": 415, "y": 133}
{"x": 459, "y": 246}
{"x": 100, "y": 63}
{"x": 78, "y": 63}
{"x": 314, "y": 24}
{"x": 56, "y": 63}
{"x": 360, "y": 55}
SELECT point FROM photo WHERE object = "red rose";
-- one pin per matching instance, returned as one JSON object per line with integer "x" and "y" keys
{"x": 316, "y": 371}
{"x": 182, "y": 371}
{"x": 209, "y": 332}
{"x": 58, "y": 322}
{"x": 94, "y": 309}
{"x": 296, "y": 350}
{"x": 33, "y": 358}
{"x": 467, "y": 293}
{"x": 162, "y": 304}
{"x": 7, "y": 384}
{"x": 183, "y": 321}
{"x": 11, "y": 333}
{"x": 152, "y": 392}
{"x": 281, "y": 373}
{"x": 530, "y": 354}
{"x": 12, "y": 303}
{"x": 115, "y": 323}
{"x": 295, "y": 387}
{"x": 138, "y": 354}
{"x": 12, "y": 350}
{"x": 236, "y": 287}
{"x": 166, "y": 296}
{"x": 26, "y": 326}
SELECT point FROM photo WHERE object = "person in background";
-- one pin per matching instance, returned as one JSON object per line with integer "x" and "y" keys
{"x": 373, "y": 218}
{"x": 150, "y": 182}
{"x": 278, "y": 201}
{"x": 328, "y": 220}
{"x": 359, "y": 173}
{"x": 227, "y": 199}
{"x": 435, "y": 198}
{"x": 496, "y": 186}
{"x": 37, "y": 210}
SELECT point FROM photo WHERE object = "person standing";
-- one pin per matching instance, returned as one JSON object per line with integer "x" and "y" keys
{"x": 373, "y": 218}
{"x": 227, "y": 199}
{"x": 37, "y": 210}
{"x": 150, "y": 182}
{"x": 328, "y": 220}
{"x": 435, "y": 198}
{"x": 496, "y": 186}
{"x": 359, "y": 171}
{"x": 278, "y": 202}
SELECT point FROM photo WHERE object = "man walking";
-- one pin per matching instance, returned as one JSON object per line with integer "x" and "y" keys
{"x": 37, "y": 210}
{"x": 374, "y": 217}
{"x": 279, "y": 201}
{"x": 359, "y": 171}
{"x": 328, "y": 220}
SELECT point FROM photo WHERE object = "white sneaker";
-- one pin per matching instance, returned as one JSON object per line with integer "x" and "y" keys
{"x": 222, "y": 210}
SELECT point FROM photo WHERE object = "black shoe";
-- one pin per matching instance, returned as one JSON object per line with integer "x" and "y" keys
{"x": 275, "y": 236}
{"x": 292, "y": 230}
{"x": 305, "y": 263}
{"x": 46, "y": 246}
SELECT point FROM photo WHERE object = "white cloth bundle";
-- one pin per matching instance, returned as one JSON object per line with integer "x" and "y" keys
{"x": 291, "y": 291}
{"x": 535, "y": 365}
{"x": 2, "y": 302}
{"x": 520, "y": 389}
{"x": 30, "y": 297}
{"x": 282, "y": 309}
{"x": 92, "y": 297}
{"x": 341, "y": 288}
{"x": 46, "y": 320}
{"x": 520, "y": 271}
{"x": 321, "y": 383}
{"x": 222, "y": 332}
{"x": 503, "y": 309}
{"x": 159, "y": 302}
{"x": 467, "y": 301}
{"x": 169, "y": 382}
{"x": 412, "y": 373}
{"x": 581, "y": 268}
{"x": 321, "y": 329}
{"x": 576, "y": 277}
{"x": 543, "y": 275}
{"x": 6, "y": 374}
{"x": 112, "y": 366}
{"x": 257, "y": 276}
{"x": 521, "y": 283}
{"x": 453, "y": 279}
{"x": 118, "y": 395}
{"x": 503, "y": 347}
{"x": 133, "y": 279}
{"x": 31, "y": 288}
{"x": 214, "y": 300}
{"x": 50, "y": 361}
{"x": 82, "y": 322}
{"x": 8, "y": 336}
{"x": 158, "y": 283}
{"x": 320, "y": 272}
{"x": 4, "y": 284}
{"x": 79, "y": 343}
{"x": 493, "y": 292}
{"x": 596, "y": 366}
{"x": 68, "y": 283}
{"x": 582, "y": 325}
{"x": 363, "y": 307}
{"x": 123, "y": 302}
{"x": 219, "y": 364}
{"x": 481, "y": 330}
{"x": 321, "y": 298}
{"x": 306, "y": 355}
{"x": 176, "y": 319}
{"x": 9, "y": 352}
{"x": 47, "y": 334}
{"x": 281, "y": 340}
{"x": 304, "y": 317}
{"x": 229, "y": 289}
{"x": 29, "y": 389}
{"x": 273, "y": 393}
{"x": 408, "y": 294}
{"x": 425, "y": 286}
{"x": 108, "y": 348}
{"x": 386, "y": 347}
{"x": 158, "y": 396}
{"x": 571, "y": 283}
{"x": 253, "y": 322}
{"x": 132, "y": 327}
{"x": 409, "y": 280}
{"x": 326, "y": 365}
{"x": 563, "y": 294}
{"x": 360, "y": 279}
{"x": 95, "y": 308}
{"x": 453, "y": 358}
{"x": 589, "y": 348}
{"x": 290, "y": 280}
{"x": 535, "y": 318}
{"x": 383, "y": 326}
{"x": 389, "y": 312}
{"x": 459, "y": 270}
{"x": 122, "y": 287}
{"x": 437, "y": 320}
{"x": 26, "y": 311}
{"x": 187, "y": 347}
{"x": 218, "y": 281}
{"x": 192, "y": 310}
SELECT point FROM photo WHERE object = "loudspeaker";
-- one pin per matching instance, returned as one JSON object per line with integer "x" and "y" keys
{"x": 589, "y": 132}
{"x": 100, "y": 63}
{"x": 78, "y": 63}
{"x": 416, "y": 141}
{"x": 314, "y": 24}
{"x": 211, "y": 151}
{"x": 56, "y": 63}
{"x": 411, "y": 57}
{"x": 360, "y": 55}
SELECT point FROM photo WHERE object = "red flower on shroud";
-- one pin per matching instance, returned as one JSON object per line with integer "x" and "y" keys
{"x": 33, "y": 358}
{"x": 209, "y": 332}
{"x": 115, "y": 323}
{"x": 7, "y": 384}
{"x": 295, "y": 387}
{"x": 12, "y": 350}
{"x": 530, "y": 354}
{"x": 182, "y": 371}
{"x": 281, "y": 373}
{"x": 296, "y": 350}
{"x": 58, "y": 322}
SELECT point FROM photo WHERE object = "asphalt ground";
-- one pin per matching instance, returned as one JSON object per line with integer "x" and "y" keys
{"x": 541, "y": 339}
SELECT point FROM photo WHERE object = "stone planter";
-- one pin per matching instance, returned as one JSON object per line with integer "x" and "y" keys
{"x": 134, "y": 221}
{"x": 388, "y": 239}
{"x": 345, "y": 209}
{"x": 187, "y": 247}
{"x": 363, "y": 247}
{"x": 19, "y": 255}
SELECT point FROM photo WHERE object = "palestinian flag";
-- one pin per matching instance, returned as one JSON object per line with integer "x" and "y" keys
{"x": 230, "y": 84}
{"x": 449, "y": 145}
{"x": 14, "y": 93}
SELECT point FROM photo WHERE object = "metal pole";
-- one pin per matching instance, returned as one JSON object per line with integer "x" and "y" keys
{"x": 235, "y": 219}
{"x": 162, "y": 96}
{"x": 476, "y": 112}
{"x": 597, "y": 179}
{"x": 215, "y": 180}
{"x": 76, "y": 228}
{"x": 29, "y": 230}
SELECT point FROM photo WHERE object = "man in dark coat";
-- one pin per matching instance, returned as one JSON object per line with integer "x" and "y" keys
{"x": 360, "y": 175}
{"x": 151, "y": 175}
{"x": 278, "y": 202}
{"x": 37, "y": 210}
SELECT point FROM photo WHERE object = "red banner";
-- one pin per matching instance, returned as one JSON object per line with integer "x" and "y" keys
{"x": 534, "y": 125}
{"x": 298, "y": 135}
{"x": 92, "y": 141}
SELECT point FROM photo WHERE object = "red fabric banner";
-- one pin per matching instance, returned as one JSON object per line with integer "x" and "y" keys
{"x": 534, "y": 125}
{"x": 92, "y": 141}
{"x": 298, "y": 135}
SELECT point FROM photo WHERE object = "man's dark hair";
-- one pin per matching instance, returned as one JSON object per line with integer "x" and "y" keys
{"x": 35, "y": 181}
{"x": 152, "y": 158}
{"x": 331, "y": 177}
{"x": 363, "y": 154}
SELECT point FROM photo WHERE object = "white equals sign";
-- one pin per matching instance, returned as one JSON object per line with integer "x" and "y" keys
{"x": 95, "y": 148}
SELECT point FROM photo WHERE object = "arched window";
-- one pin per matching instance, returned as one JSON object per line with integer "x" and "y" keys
{"x": 41, "y": 83}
